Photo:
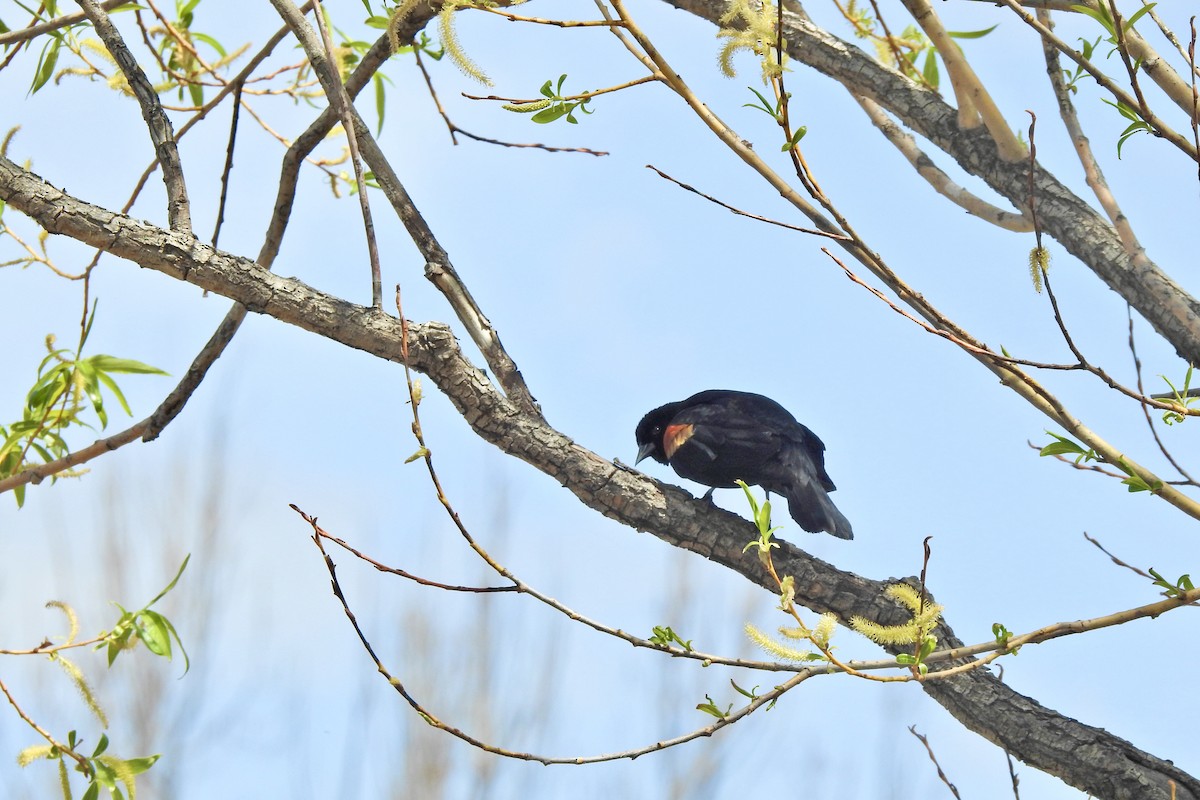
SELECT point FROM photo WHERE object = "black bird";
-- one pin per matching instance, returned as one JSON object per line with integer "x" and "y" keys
{"x": 719, "y": 436}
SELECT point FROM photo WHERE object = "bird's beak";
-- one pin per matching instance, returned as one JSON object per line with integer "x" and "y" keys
{"x": 644, "y": 452}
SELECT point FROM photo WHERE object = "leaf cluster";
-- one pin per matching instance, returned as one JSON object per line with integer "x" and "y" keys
{"x": 147, "y": 626}
{"x": 665, "y": 636}
{"x": 102, "y": 769}
{"x": 554, "y": 105}
{"x": 1181, "y": 585}
{"x": 67, "y": 386}
{"x": 1182, "y": 397}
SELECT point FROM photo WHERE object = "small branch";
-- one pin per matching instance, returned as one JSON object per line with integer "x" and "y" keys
{"x": 1137, "y": 368}
{"x": 939, "y": 180}
{"x": 1083, "y": 149}
{"x": 1123, "y": 50}
{"x": 228, "y": 168}
{"x": 161, "y": 134}
{"x": 708, "y": 730}
{"x": 1117, "y": 561}
{"x": 455, "y": 129}
{"x": 558, "y": 23}
{"x": 45, "y": 734}
{"x": 739, "y": 212}
{"x": 381, "y": 567}
{"x": 40, "y": 472}
{"x": 340, "y": 101}
{"x": 572, "y": 98}
{"x": 928, "y": 749}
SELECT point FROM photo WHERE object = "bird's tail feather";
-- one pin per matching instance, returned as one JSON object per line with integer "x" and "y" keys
{"x": 810, "y": 506}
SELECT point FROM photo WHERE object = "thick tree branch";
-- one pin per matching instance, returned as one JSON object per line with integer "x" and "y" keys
{"x": 1086, "y": 757}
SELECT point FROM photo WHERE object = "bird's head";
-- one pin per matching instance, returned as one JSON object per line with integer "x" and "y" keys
{"x": 650, "y": 431}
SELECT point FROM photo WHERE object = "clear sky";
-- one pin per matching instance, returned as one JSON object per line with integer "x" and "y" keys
{"x": 615, "y": 292}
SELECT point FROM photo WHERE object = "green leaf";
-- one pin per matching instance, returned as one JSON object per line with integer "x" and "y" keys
{"x": 711, "y": 708}
{"x": 796, "y": 137}
{"x": 112, "y": 387}
{"x": 137, "y": 766}
{"x": 752, "y": 694}
{"x": 210, "y": 41}
{"x": 46, "y": 63}
{"x": 930, "y": 73}
{"x": 972, "y": 34}
{"x": 101, "y": 745}
{"x": 1138, "y": 15}
{"x": 1063, "y": 446}
{"x": 126, "y": 365}
{"x": 547, "y": 115}
{"x": 1099, "y": 14}
{"x": 154, "y": 633}
{"x": 380, "y": 95}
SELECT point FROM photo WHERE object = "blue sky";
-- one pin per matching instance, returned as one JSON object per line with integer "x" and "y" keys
{"x": 615, "y": 292}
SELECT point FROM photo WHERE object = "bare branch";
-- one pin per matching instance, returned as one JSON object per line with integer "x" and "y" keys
{"x": 929, "y": 749}
{"x": 161, "y": 134}
{"x": 938, "y": 179}
{"x": 739, "y": 212}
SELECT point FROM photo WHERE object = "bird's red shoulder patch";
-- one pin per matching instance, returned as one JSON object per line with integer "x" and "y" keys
{"x": 674, "y": 436}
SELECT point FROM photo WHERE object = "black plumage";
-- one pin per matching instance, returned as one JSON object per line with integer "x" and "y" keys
{"x": 719, "y": 436}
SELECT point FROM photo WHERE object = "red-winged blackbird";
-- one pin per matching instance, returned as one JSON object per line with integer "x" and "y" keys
{"x": 719, "y": 436}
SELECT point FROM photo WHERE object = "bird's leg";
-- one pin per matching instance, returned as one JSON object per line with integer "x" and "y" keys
{"x": 708, "y": 496}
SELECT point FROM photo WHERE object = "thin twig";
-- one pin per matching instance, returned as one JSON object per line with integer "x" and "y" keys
{"x": 455, "y": 129}
{"x": 953, "y": 789}
{"x": 1083, "y": 149}
{"x": 581, "y": 96}
{"x": 1117, "y": 561}
{"x": 341, "y": 103}
{"x": 1012, "y": 769}
{"x": 739, "y": 212}
{"x": 228, "y": 168}
{"x": 84, "y": 766}
{"x": 708, "y": 730}
{"x": 1137, "y": 368}
{"x": 381, "y": 567}
{"x": 936, "y": 177}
